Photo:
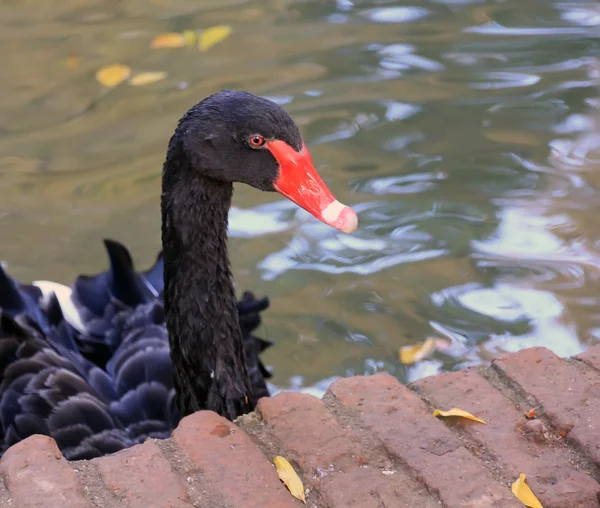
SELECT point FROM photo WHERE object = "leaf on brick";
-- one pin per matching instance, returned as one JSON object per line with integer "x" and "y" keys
{"x": 457, "y": 412}
{"x": 288, "y": 476}
{"x": 524, "y": 494}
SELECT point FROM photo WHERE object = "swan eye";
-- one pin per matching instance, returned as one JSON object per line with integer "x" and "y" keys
{"x": 256, "y": 141}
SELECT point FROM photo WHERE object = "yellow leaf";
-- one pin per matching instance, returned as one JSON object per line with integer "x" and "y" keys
{"x": 524, "y": 494}
{"x": 147, "y": 78}
{"x": 190, "y": 37}
{"x": 112, "y": 75}
{"x": 287, "y": 475}
{"x": 169, "y": 40}
{"x": 457, "y": 412}
{"x": 417, "y": 352}
{"x": 213, "y": 35}
{"x": 72, "y": 62}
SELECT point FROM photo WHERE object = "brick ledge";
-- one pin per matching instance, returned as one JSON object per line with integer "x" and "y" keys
{"x": 370, "y": 442}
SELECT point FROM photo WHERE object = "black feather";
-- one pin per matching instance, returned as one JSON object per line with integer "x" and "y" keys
{"x": 52, "y": 385}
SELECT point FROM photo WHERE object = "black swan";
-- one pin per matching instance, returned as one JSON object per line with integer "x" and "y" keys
{"x": 123, "y": 355}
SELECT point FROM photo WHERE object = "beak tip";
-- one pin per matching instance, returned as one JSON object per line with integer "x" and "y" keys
{"x": 340, "y": 216}
{"x": 349, "y": 220}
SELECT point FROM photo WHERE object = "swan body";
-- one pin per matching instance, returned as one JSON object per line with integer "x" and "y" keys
{"x": 96, "y": 382}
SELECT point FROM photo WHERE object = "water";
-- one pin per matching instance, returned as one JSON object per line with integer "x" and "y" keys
{"x": 465, "y": 133}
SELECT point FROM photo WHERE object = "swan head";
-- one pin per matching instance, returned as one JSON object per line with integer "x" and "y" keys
{"x": 236, "y": 136}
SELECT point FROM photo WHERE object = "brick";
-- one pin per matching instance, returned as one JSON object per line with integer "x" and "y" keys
{"x": 408, "y": 430}
{"x": 368, "y": 487}
{"x": 132, "y": 476}
{"x": 37, "y": 475}
{"x": 571, "y": 403}
{"x": 548, "y": 467}
{"x": 591, "y": 357}
{"x": 310, "y": 432}
{"x": 333, "y": 462}
{"x": 5, "y": 499}
{"x": 230, "y": 463}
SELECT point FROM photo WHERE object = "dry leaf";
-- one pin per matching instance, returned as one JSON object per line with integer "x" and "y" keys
{"x": 72, "y": 61}
{"x": 190, "y": 37}
{"x": 417, "y": 352}
{"x": 530, "y": 414}
{"x": 457, "y": 412}
{"x": 169, "y": 40}
{"x": 147, "y": 78}
{"x": 213, "y": 35}
{"x": 288, "y": 476}
{"x": 524, "y": 494}
{"x": 112, "y": 75}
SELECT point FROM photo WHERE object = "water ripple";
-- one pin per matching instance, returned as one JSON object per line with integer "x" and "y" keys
{"x": 493, "y": 28}
{"x": 498, "y": 80}
{"x": 396, "y": 14}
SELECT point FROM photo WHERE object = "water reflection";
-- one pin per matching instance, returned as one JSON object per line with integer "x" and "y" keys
{"x": 465, "y": 134}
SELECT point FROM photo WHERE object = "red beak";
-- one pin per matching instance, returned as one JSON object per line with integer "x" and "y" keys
{"x": 299, "y": 182}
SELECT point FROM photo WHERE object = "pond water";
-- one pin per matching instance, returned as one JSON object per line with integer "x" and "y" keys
{"x": 464, "y": 133}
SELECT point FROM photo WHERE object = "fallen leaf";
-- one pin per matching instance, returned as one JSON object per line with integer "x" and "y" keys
{"x": 457, "y": 412}
{"x": 169, "y": 40}
{"x": 530, "y": 414}
{"x": 417, "y": 352}
{"x": 213, "y": 35}
{"x": 190, "y": 37}
{"x": 147, "y": 78}
{"x": 72, "y": 61}
{"x": 112, "y": 75}
{"x": 287, "y": 475}
{"x": 523, "y": 493}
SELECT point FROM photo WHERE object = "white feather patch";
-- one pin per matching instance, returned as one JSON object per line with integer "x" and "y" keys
{"x": 64, "y": 296}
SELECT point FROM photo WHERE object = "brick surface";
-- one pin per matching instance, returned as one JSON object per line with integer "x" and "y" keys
{"x": 310, "y": 432}
{"x": 370, "y": 443}
{"x": 5, "y": 499}
{"x": 37, "y": 475}
{"x": 591, "y": 357}
{"x": 344, "y": 473}
{"x": 550, "y": 474}
{"x": 408, "y": 430}
{"x": 132, "y": 475}
{"x": 368, "y": 487}
{"x": 571, "y": 403}
{"x": 230, "y": 463}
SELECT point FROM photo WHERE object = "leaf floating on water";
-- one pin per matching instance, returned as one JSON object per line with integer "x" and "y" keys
{"x": 169, "y": 40}
{"x": 457, "y": 412}
{"x": 417, "y": 352}
{"x": 190, "y": 37}
{"x": 524, "y": 494}
{"x": 287, "y": 475}
{"x": 112, "y": 75}
{"x": 147, "y": 78}
{"x": 213, "y": 35}
{"x": 72, "y": 61}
